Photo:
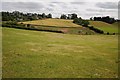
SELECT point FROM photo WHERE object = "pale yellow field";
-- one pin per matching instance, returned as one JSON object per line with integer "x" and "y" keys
{"x": 53, "y": 22}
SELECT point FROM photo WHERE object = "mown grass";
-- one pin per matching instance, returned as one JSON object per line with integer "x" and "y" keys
{"x": 111, "y": 28}
{"x": 53, "y": 22}
{"x": 35, "y": 54}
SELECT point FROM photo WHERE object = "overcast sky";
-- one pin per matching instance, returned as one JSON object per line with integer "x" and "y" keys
{"x": 83, "y": 8}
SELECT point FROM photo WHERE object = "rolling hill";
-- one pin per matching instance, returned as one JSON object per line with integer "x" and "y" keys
{"x": 53, "y": 22}
{"x": 66, "y": 26}
{"x": 115, "y": 24}
{"x": 36, "y": 54}
{"x": 111, "y": 28}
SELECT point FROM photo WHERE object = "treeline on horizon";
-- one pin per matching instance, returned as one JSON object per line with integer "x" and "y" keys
{"x": 10, "y": 19}
{"x": 20, "y": 16}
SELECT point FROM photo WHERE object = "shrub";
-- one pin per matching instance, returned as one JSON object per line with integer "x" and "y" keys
{"x": 108, "y": 33}
{"x": 85, "y": 23}
{"x": 77, "y": 21}
{"x": 113, "y": 33}
{"x": 96, "y": 30}
{"x": 81, "y": 22}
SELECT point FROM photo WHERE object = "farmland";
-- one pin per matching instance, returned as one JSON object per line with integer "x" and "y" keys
{"x": 112, "y": 28}
{"x": 53, "y": 22}
{"x": 60, "y": 23}
{"x": 66, "y": 26}
{"x": 36, "y": 54}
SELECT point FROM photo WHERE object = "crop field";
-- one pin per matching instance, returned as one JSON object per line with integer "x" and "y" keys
{"x": 37, "y": 54}
{"x": 53, "y": 22}
{"x": 111, "y": 28}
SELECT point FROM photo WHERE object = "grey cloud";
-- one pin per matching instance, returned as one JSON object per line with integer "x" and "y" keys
{"x": 92, "y": 14}
{"x": 78, "y": 3}
{"x": 52, "y": 5}
{"x": 57, "y": 8}
{"x": 107, "y": 5}
{"x": 49, "y": 9}
{"x": 22, "y": 6}
{"x": 88, "y": 15}
{"x": 63, "y": 5}
{"x": 100, "y": 10}
{"x": 57, "y": 2}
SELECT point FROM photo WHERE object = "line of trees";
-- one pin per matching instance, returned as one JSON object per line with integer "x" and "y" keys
{"x": 69, "y": 16}
{"x": 86, "y": 23}
{"x": 80, "y": 21}
{"x": 13, "y": 24}
{"x": 19, "y": 16}
{"x": 106, "y": 19}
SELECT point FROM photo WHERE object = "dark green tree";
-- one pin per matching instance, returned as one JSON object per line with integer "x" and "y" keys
{"x": 63, "y": 16}
{"x": 81, "y": 22}
{"x": 77, "y": 21}
{"x": 74, "y": 16}
{"x": 43, "y": 15}
{"x": 85, "y": 23}
{"x": 49, "y": 16}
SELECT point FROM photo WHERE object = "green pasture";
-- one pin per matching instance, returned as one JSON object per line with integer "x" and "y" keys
{"x": 111, "y": 28}
{"x": 37, "y": 54}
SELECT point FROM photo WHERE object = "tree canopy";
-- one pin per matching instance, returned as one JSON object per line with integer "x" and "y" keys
{"x": 19, "y": 16}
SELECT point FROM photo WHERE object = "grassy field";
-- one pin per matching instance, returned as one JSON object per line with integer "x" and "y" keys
{"x": 115, "y": 24}
{"x": 31, "y": 54}
{"x": 66, "y": 26}
{"x": 53, "y": 22}
{"x": 112, "y": 28}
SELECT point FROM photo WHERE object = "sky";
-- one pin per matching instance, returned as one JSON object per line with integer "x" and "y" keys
{"x": 83, "y": 8}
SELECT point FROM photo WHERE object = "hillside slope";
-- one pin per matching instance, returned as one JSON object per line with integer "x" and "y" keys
{"x": 34, "y": 54}
{"x": 66, "y": 26}
{"x": 53, "y": 22}
{"x": 61, "y": 23}
{"x": 115, "y": 24}
{"x": 105, "y": 26}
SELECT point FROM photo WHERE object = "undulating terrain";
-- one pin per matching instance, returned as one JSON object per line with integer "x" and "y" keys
{"x": 106, "y": 27}
{"x": 31, "y": 54}
{"x": 53, "y": 22}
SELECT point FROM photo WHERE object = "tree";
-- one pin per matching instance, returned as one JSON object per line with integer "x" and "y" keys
{"x": 74, "y": 16}
{"x": 85, "y": 23}
{"x": 19, "y": 16}
{"x": 81, "y": 22}
{"x": 91, "y": 18}
{"x": 77, "y": 21}
{"x": 63, "y": 16}
{"x": 106, "y": 19}
{"x": 43, "y": 15}
{"x": 69, "y": 16}
{"x": 49, "y": 16}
